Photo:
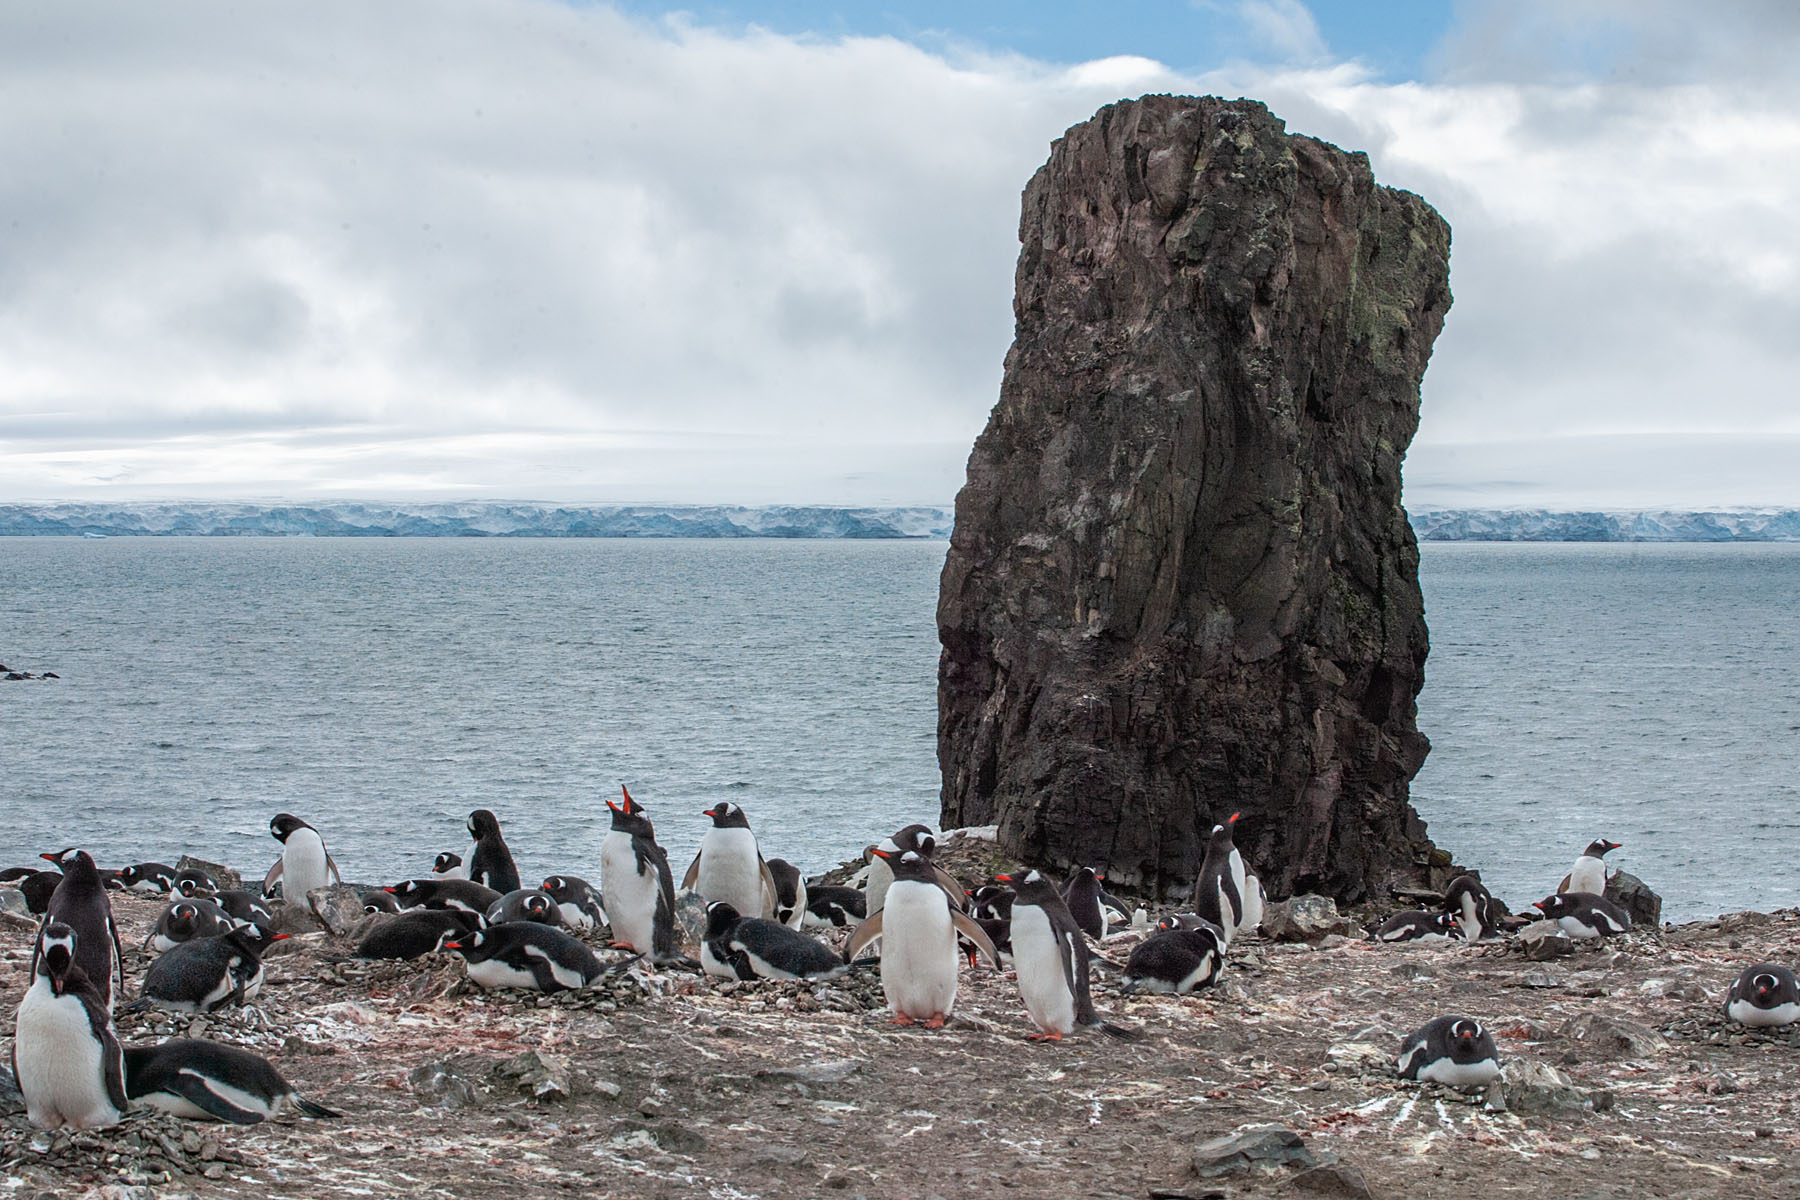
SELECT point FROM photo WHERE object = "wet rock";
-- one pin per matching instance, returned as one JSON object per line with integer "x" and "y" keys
{"x": 821, "y": 1073}
{"x": 441, "y": 1085}
{"x": 12, "y": 1101}
{"x": 295, "y": 919}
{"x": 1635, "y": 897}
{"x": 1542, "y": 941}
{"x": 12, "y": 900}
{"x": 1333, "y": 1179}
{"x": 540, "y": 1076}
{"x": 1264, "y": 1147}
{"x": 1601, "y": 1036}
{"x": 690, "y": 917}
{"x": 1532, "y": 1086}
{"x": 339, "y": 908}
{"x": 1305, "y": 919}
{"x": 1180, "y": 565}
{"x": 1360, "y": 1058}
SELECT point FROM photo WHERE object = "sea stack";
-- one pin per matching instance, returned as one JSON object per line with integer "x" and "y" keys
{"x": 1181, "y": 583}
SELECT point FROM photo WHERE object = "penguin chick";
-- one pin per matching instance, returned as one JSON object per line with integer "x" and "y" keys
{"x": 210, "y": 1081}
{"x": 1454, "y": 1051}
{"x": 1765, "y": 995}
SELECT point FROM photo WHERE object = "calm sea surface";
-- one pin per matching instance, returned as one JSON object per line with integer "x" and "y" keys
{"x": 383, "y": 688}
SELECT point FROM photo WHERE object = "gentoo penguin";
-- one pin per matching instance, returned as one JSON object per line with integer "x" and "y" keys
{"x": 1087, "y": 903}
{"x": 790, "y": 893}
{"x": 37, "y": 888}
{"x": 1177, "y": 958}
{"x": 831, "y": 905}
{"x": 1454, "y": 1051}
{"x": 740, "y": 947}
{"x": 636, "y": 886}
{"x": 524, "y": 954}
{"x": 243, "y": 907}
{"x": 304, "y": 864}
{"x": 912, "y": 839}
{"x": 415, "y": 933}
{"x": 80, "y": 902}
{"x": 450, "y": 866}
{"x": 991, "y": 900}
{"x": 1589, "y": 872}
{"x": 577, "y": 900}
{"x": 66, "y": 1057}
{"x": 210, "y": 1081}
{"x": 207, "y": 973}
{"x": 1584, "y": 915}
{"x": 491, "y": 863}
{"x": 1477, "y": 912}
{"x": 1221, "y": 889}
{"x": 526, "y": 904}
{"x": 1765, "y": 995}
{"x": 378, "y": 900}
{"x": 192, "y": 881}
{"x": 1414, "y": 925}
{"x": 444, "y": 893}
{"x": 917, "y": 926}
{"x": 149, "y": 878}
{"x": 185, "y": 920}
{"x": 1050, "y": 956}
{"x": 729, "y": 866}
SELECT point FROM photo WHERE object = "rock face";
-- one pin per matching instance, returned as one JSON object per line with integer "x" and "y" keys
{"x": 1181, "y": 583}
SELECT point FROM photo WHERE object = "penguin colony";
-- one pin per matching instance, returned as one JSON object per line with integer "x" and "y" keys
{"x": 915, "y": 922}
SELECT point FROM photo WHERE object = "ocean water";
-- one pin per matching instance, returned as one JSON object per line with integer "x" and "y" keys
{"x": 383, "y": 688}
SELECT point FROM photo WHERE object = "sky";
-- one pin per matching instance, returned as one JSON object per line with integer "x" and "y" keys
{"x": 763, "y": 252}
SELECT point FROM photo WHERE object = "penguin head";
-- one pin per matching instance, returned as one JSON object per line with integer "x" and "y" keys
{"x": 412, "y": 892}
{"x": 474, "y": 945}
{"x": 720, "y": 916}
{"x": 914, "y": 837}
{"x": 1553, "y": 906}
{"x": 630, "y": 807}
{"x": 1599, "y": 847}
{"x": 1465, "y": 1039}
{"x": 66, "y": 860}
{"x": 56, "y": 952}
{"x": 482, "y": 823}
{"x": 445, "y": 862}
{"x": 539, "y": 905}
{"x": 554, "y": 884}
{"x": 195, "y": 886}
{"x": 283, "y": 825}
{"x": 726, "y": 815}
{"x": 1221, "y": 834}
{"x": 1763, "y": 987}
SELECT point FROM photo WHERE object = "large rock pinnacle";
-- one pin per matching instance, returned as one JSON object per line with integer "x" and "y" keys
{"x": 1181, "y": 583}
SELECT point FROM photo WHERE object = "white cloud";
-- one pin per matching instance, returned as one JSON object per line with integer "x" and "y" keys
{"x": 508, "y": 247}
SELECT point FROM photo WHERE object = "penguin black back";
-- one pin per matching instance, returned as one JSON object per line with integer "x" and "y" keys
{"x": 1082, "y": 896}
{"x": 80, "y": 902}
{"x": 491, "y": 863}
{"x": 193, "y": 1078}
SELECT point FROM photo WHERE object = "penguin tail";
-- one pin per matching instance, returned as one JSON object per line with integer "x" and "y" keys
{"x": 616, "y": 967}
{"x": 141, "y": 1004}
{"x": 1122, "y": 1032}
{"x": 866, "y": 961}
{"x": 309, "y": 1108}
{"x": 1100, "y": 960}
{"x": 669, "y": 960}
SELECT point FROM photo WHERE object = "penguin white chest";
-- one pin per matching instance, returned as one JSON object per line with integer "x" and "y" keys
{"x": 302, "y": 865}
{"x": 730, "y": 870}
{"x": 880, "y": 877}
{"x": 629, "y": 897}
{"x": 918, "y": 951}
{"x": 61, "y": 1071}
{"x": 1038, "y": 959}
{"x": 1746, "y": 1013}
{"x": 1588, "y": 875}
{"x": 1470, "y": 920}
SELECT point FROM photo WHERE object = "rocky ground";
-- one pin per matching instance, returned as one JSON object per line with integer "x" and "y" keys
{"x": 1624, "y": 1080}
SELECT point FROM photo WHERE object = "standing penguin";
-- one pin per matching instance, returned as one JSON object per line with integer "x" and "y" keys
{"x": 1765, "y": 995}
{"x": 729, "y": 866}
{"x": 1050, "y": 956}
{"x": 80, "y": 902}
{"x": 1589, "y": 872}
{"x": 790, "y": 893}
{"x": 917, "y": 926}
{"x": 66, "y": 1057}
{"x": 304, "y": 864}
{"x": 1219, "y": 892}
{"x": 1454, "y": 1051}
{"x": 1584, "y": 915}
{"x": 491, "y": 863}
{"x": 636, "y": 885}
{"x": 1089, "y": 904}
{"x": 1477, "y": 912}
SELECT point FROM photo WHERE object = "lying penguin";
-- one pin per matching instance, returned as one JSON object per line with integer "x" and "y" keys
{"x": 526, "y": 904}
{"x": 1584, "y": 915}
{"x": 1414, "y": 925}
{"x": 209, "y": 1081}
{"x": 205, "y": 974}
{"x": 524, "y": 954}
{"x": 1766, "y": 995}
{"x": 1179, "y": 958}
{"x": 185, "y": 920}
{"x": 1454, "y": 1051}
{"x": 577, "y": 900}
{"x": 740, "y": 947}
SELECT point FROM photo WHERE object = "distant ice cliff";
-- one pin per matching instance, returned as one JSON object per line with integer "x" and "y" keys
{"x": 1539, "y": 525}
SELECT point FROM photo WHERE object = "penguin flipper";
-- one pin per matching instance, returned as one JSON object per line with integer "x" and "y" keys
{"x": 196, "y": 1089}
{"x": 959, "y": 898}
{"x": 331, "y": 869}
{"x": 273, "y": 877}
{"x": 693, "y": 873}
{"x": 771, "y": 893}
{"x": 115, "y": 1074}
{"x": 870, "y": 929}
{"x": 1075, "y": 974}
{"x": 965, "y": 925}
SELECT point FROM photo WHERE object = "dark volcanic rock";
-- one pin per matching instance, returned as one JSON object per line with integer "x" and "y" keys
{"x": 1635, "y": 897}
{"x": 1181, "y": 583}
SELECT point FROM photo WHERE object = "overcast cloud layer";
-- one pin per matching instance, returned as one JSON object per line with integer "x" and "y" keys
{"x": 466, "y": 248}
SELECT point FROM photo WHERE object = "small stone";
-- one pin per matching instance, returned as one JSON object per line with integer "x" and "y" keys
{"x": 1542, "y": 941}
{"x": 1306, "y": 918}
{"x": 1264, "y": 1146}
{"x": 1333, "y": 1179}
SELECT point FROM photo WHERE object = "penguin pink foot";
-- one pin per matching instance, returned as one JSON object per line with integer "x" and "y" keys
{"x": 900, "y": 1019}
{"x": 1043, "y": 1037}
{"x": 936, "y": 1021}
